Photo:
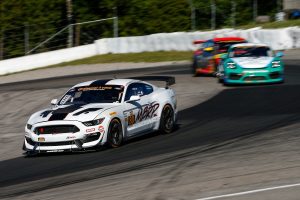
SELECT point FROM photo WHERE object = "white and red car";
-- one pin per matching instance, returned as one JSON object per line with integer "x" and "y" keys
{"x": 99, "y": 112}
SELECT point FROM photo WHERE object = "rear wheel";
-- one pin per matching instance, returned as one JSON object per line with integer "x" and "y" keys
{"x": 115, "y": 134}
{"x": 167, "y": 120}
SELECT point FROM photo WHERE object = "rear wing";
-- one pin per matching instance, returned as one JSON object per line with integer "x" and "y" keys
{"x": 199, "y": 41}
{"x": 170, "y": 80}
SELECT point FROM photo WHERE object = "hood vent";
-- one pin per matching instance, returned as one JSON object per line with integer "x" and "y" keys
{"x": 58, "y": 116}
{"x": 85, "y": 111}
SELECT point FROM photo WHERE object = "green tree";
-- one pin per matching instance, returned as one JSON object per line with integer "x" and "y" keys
{"x": 43, "y": 18}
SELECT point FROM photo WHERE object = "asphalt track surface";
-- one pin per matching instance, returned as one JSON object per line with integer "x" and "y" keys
{"x": 239, "y": 118}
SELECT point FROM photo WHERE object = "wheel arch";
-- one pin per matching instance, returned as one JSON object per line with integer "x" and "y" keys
{"x": 120, "y": 121}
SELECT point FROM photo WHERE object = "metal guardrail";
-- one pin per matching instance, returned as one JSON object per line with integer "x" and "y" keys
{"x": 74, "y": 24}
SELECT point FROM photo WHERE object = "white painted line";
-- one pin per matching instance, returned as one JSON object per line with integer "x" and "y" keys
{"x": 250, "y": 192}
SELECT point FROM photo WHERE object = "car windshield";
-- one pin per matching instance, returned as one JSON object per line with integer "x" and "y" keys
{"x": 222, "y": 47}
{"x": 93, "y": 94}
{"x": 250, "y": 51}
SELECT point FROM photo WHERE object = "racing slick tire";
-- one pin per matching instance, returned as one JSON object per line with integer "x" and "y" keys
{"x": 194, "y": 67}
{"x": 220, "y": 80}
{"x": 167, "y": 120}
{"x": 115, "y": 134}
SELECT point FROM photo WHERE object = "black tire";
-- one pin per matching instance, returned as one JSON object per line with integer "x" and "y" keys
{"x": 225, "y": 84}
{"x": 220, "y": 80}
{"x": 24, "y": 147}
{"x": 194, "y": 68}
{"x": 167, "y": 120}
{"x": 194, "y": 73}
{"x": 115, "y": 134}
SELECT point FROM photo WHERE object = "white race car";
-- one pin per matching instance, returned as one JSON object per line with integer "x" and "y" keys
{"x": 95, "y": 113}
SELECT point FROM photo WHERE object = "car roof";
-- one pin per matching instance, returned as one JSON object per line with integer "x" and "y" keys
{"x": 249, "y": 45}
{"x": 229, "y": 39}
{"x": 123, "y": 82}
{"x": 220, "y": 40}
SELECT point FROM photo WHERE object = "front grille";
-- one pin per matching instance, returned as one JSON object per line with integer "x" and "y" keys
{"x": 57, "y": 129}
{"x": 42, "y": 144}
{"x": 234, "y": 76}
{"x": 254, "y": 78}
{"x": 274, "y": 75}
{"x": 32, "y": 143}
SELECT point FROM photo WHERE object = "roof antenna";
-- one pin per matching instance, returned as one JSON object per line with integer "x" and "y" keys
{"x": 115, "y": 76}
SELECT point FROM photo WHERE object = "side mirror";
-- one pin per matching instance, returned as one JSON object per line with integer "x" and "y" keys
{"x": 134, "y": 98}
{"x": 279, "y": 54}
{"x": 54, "y": 102}
{"x": 208, "y": 49}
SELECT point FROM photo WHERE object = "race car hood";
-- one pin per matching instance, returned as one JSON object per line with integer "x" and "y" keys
{"x": 76, "y": 112}
{"x": 253, "y": 62}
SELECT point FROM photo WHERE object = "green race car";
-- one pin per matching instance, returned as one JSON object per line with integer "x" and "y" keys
{"x": 249, "y": 63}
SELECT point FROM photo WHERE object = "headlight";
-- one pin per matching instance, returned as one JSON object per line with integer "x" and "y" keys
{"x": 94, "y": 122}
{"x": 276, "y": 64}
{"x": 231, "y": 65}
{"x": 29, "y": 126}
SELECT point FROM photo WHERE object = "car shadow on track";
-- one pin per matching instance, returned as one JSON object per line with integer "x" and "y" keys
{"x": 233, "y": 113}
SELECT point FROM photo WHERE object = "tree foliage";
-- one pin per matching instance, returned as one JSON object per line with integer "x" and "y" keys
{"x": 43, "y": 18}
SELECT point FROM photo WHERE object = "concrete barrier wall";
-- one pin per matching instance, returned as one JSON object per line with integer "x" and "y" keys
{"x": 45, "y": 59}
{"x": 178, "y": 41}
{"x": 278, "y": 39}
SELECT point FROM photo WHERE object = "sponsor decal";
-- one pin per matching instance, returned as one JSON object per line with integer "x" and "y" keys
{"x": 131, "y": 119}
{"x": 112, "y": 113}
{"x": 65, "y": 99}
{"x": 71, "y": 137}
{"x": 146, "y": 112}
{"x": 90, "y": 130}
{"x": 41, "y": 139}
{"x": 101, "y": 129}
{"x": 95, "y": 88}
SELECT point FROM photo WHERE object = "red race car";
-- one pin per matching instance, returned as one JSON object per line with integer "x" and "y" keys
{"x": 208, "y": 56}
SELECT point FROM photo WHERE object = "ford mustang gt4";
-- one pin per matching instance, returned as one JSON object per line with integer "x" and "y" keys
{"x": 96, "y": 113}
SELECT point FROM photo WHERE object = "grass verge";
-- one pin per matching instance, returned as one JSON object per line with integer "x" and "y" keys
{"x": 132, "y": 57}
{"x": 271, "y": 25}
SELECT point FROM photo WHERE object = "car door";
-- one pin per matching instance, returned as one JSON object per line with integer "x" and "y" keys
{"x": 208, "y": 52}
{"x": 149, "y": 113}
{"x": 134, "y": 110}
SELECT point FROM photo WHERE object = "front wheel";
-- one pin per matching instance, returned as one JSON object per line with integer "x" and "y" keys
{"x": 220, "y": 80}
{"x": 115, "y": 134}
{"x": 167, "y": 119}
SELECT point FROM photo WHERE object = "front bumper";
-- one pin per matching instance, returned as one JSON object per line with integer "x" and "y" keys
{"x": 207, "y": 71}
{"x": 253, "y": 76}
{"x": 83, "y": 138}
{"x": 204, "y": 66}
